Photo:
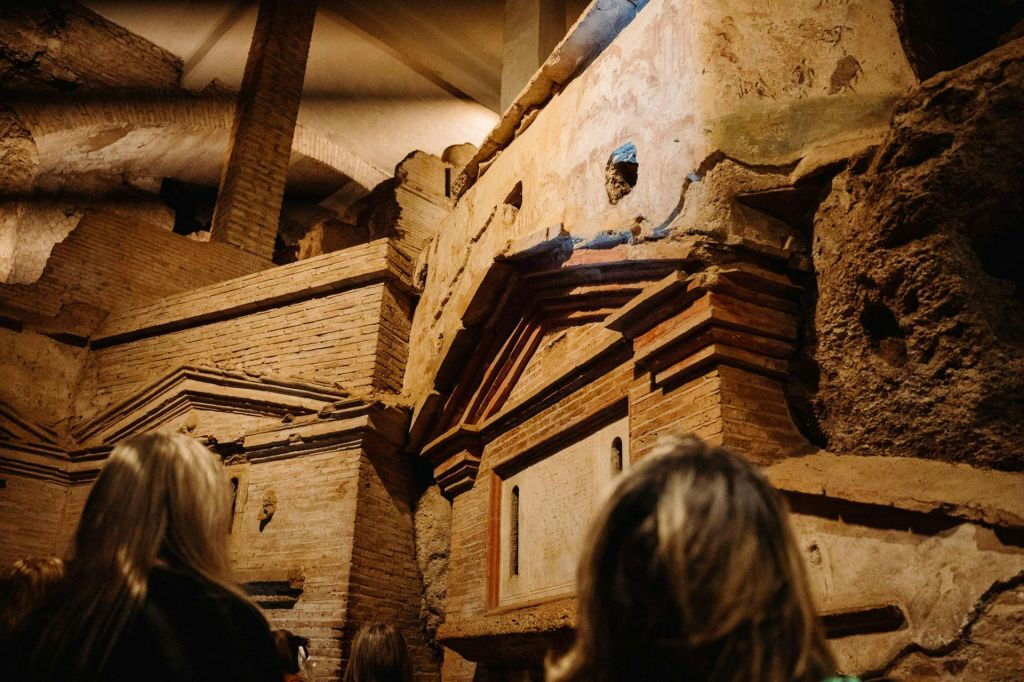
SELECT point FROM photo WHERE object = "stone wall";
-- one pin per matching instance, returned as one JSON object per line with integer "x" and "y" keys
{"x": 59, "y": 46}
{"x": 299, "y": 368}
{"x": 915, "y": 345}
{"x": 755, "y": 226}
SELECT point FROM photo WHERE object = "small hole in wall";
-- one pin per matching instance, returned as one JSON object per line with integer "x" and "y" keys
{"x": 448, "y": 182}
{"x": 513, "y": 545}
{"x": 620, "y": 175}
{"x": 884, "y": 333}
{"x": 515, "y": 197}
{"x": 616, "y": 456}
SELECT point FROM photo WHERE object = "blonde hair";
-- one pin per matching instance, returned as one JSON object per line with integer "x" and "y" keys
{"x": 161, "y": 498}
{"x": 379, "y": 654}
{"x": 691, "y": 572}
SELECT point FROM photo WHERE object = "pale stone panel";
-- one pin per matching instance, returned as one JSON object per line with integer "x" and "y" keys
{"x": 558, "y": 495}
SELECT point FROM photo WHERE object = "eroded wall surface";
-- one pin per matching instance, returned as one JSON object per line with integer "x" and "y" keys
{"x": 685, "y": 83}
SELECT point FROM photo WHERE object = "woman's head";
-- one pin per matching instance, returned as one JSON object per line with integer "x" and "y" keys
{"x": 379, "y": 654}
{"x": 23, "y": 585}
{"x": 691, "y": 572}
{"x": 160, "y": 496}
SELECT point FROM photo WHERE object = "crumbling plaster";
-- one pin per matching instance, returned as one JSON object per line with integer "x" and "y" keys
{"x": 678, "y": 82}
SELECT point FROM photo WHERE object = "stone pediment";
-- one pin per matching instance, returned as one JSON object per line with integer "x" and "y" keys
{"x": 192, "y": 396}
{"x": 549, "y": 318}
{"x": 30, "y": 449}
{"x": 534, "y": 329}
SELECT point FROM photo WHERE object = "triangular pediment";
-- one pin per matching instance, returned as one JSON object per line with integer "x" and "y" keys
{"x": 199, "y": 398}
{"x": 531, "y": 323}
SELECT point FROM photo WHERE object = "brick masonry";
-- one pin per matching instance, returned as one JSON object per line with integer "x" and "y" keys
{"x": 252, "y": 181}
{"x": 85, "y": 276}
{"x": 299, "y": 339}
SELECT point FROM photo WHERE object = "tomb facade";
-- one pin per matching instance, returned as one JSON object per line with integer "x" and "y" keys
{"x": 786, "y": 231}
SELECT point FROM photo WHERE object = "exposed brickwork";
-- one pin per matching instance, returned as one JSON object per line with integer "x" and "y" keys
{"x": 559, "y": 350}
{"x": 233, "y": 297}
{"x": 252, "y": 182}
{"x": 311, "y": 536}
{"x": 393, "y": 347}
{"x": 328, "y": 339}
{"x": 87, "y": 270}
{"x": 385, "y": 583}
{"x": 61, "y": 46}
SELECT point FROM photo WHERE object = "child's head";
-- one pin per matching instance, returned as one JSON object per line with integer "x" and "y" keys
{"x": 691, "y": 572}
{"x": 292, "y": 650}
{"x": 379, "y": 654}
{"x": 23, "y": 585}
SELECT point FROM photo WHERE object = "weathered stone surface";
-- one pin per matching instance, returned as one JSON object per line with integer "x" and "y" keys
{"x": 18, "y": 154}
{"x": 916, "y": 345}
{"x": 991, "y": 648}
{"x": 746, "y": 100}
{"x": 432, "y": 521}
{"x": 39, "y": 375}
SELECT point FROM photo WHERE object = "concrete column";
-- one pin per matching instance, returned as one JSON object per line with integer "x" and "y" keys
{"x": 252, "y": 182}
{"x": 532, "y": 29}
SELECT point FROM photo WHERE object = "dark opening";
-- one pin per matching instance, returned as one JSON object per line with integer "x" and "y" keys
{"x": 884, "y": 332}
{"x": 513, "y": 545}
{"x": 192, "y": 204}
{"x": 621, "y": 173}
{"x": 234, "y": 502}
{"x": 871, "y": 620}
{"x": 939, "y": 35}
{"x": 515, "y": 197}
{"x": 616, "y": 455}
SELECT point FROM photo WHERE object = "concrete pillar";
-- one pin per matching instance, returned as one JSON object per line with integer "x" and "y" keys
{"x": 252, "y": 181}
{"x": 532, "y": 29}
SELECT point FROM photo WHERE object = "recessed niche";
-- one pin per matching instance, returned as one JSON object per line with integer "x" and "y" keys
{"x": 616, "y": 455}
{"x": 515, "y": 197}
{"x": 620, "y": 174}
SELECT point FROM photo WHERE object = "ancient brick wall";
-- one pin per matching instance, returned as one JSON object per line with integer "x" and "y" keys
{"x": 62, "y": 46}
{"x": 749, "y": 102}
{"x": 319, "y": 320}
{"x": 727, "y": 192}
{"x": 87, "y": 273}
{"x": 309, "y": 538}
{"x": 32, "y": 514}
{"x": 322, "y": 534}
{"x": 386, "y": 584}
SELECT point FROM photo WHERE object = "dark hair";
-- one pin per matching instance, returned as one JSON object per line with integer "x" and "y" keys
{"x": 691, "y": 572}
{"x": 23, "y": 585}
{"x": 287, "y": 646}
{"x": 379, "y": 654}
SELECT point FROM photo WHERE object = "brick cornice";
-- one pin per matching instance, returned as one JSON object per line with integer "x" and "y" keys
{"x": 377, "y": 261}
{"x": 206, "y": 388}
